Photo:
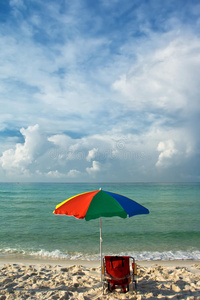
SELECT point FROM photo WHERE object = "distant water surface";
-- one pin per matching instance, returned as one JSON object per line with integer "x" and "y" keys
{"x": 171, "y": 230}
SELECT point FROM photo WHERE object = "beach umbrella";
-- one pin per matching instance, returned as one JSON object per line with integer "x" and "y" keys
{"x": 97, "y": 204}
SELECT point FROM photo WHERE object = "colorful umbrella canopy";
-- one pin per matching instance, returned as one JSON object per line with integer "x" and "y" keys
{"x": 96, "y": 204}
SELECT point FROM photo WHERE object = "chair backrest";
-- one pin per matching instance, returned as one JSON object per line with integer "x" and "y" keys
{"x": 117, "y": 266}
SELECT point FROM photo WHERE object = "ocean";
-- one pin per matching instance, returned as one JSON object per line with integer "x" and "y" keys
{"x": 28, "y": 227}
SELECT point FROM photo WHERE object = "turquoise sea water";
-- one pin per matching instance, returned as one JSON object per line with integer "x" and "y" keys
{"x": 170, "y": 231}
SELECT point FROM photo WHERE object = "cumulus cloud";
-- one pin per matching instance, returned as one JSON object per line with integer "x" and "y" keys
{"x": 55, "y": 174}
{"x": 167, "y": 150}
{"x": 131, "y": 156}
{"x": 23, "y": 154}
{"x": 96, "y": 166}
{"x": 68, "y": 175}
{"x": 55, "y": 157}
{"x": 60, "y": 140}
{"x": 91, "y": 154}
{"x": 73, "y": 173}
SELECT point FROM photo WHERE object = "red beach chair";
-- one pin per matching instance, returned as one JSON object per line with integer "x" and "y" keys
{"x": 117, "y": 272}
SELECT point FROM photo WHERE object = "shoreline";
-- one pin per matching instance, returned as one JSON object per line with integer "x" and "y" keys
{"x": 27, "y": 260}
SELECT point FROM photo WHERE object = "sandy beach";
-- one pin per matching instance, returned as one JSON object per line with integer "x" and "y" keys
{"x": 61, "y": 279}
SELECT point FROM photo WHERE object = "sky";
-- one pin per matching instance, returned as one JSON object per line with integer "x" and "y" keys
{"x": 99, "y": 91}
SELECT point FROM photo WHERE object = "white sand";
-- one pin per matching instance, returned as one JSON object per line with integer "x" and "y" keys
{"x": 47, "y": 279}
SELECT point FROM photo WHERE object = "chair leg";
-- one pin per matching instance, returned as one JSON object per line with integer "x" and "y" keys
{"x": 104, "y": 286}
{"x": 109, "y": 287}
{"x": 135, "y": 286}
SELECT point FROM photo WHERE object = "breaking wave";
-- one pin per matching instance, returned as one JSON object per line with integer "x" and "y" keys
{"x": 141, "y": 256}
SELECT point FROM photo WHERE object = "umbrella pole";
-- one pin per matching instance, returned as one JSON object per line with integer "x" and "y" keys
{"x": 101, "y": 250}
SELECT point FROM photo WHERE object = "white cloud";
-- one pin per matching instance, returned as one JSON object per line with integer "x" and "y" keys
{"x": 60, "y": 140}
{"x": 54, "y": 84}
{"x": 96, "y": 166}
{"x": 73, "y": 173}
{"x": 55, "y": 174}
{"x": 91, "y": 154}
{"x": 128, "y": 156}
{"x": 165, "y": 77}
{"x": 118, "y": 95}
{"x": 167, "y": 150}
{"x": 19, "y": 158}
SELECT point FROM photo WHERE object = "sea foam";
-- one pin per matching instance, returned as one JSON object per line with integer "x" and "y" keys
{"x": 141, "y": 256}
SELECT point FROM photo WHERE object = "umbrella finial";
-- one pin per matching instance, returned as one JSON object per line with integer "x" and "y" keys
{"x": 100, "y": 189}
